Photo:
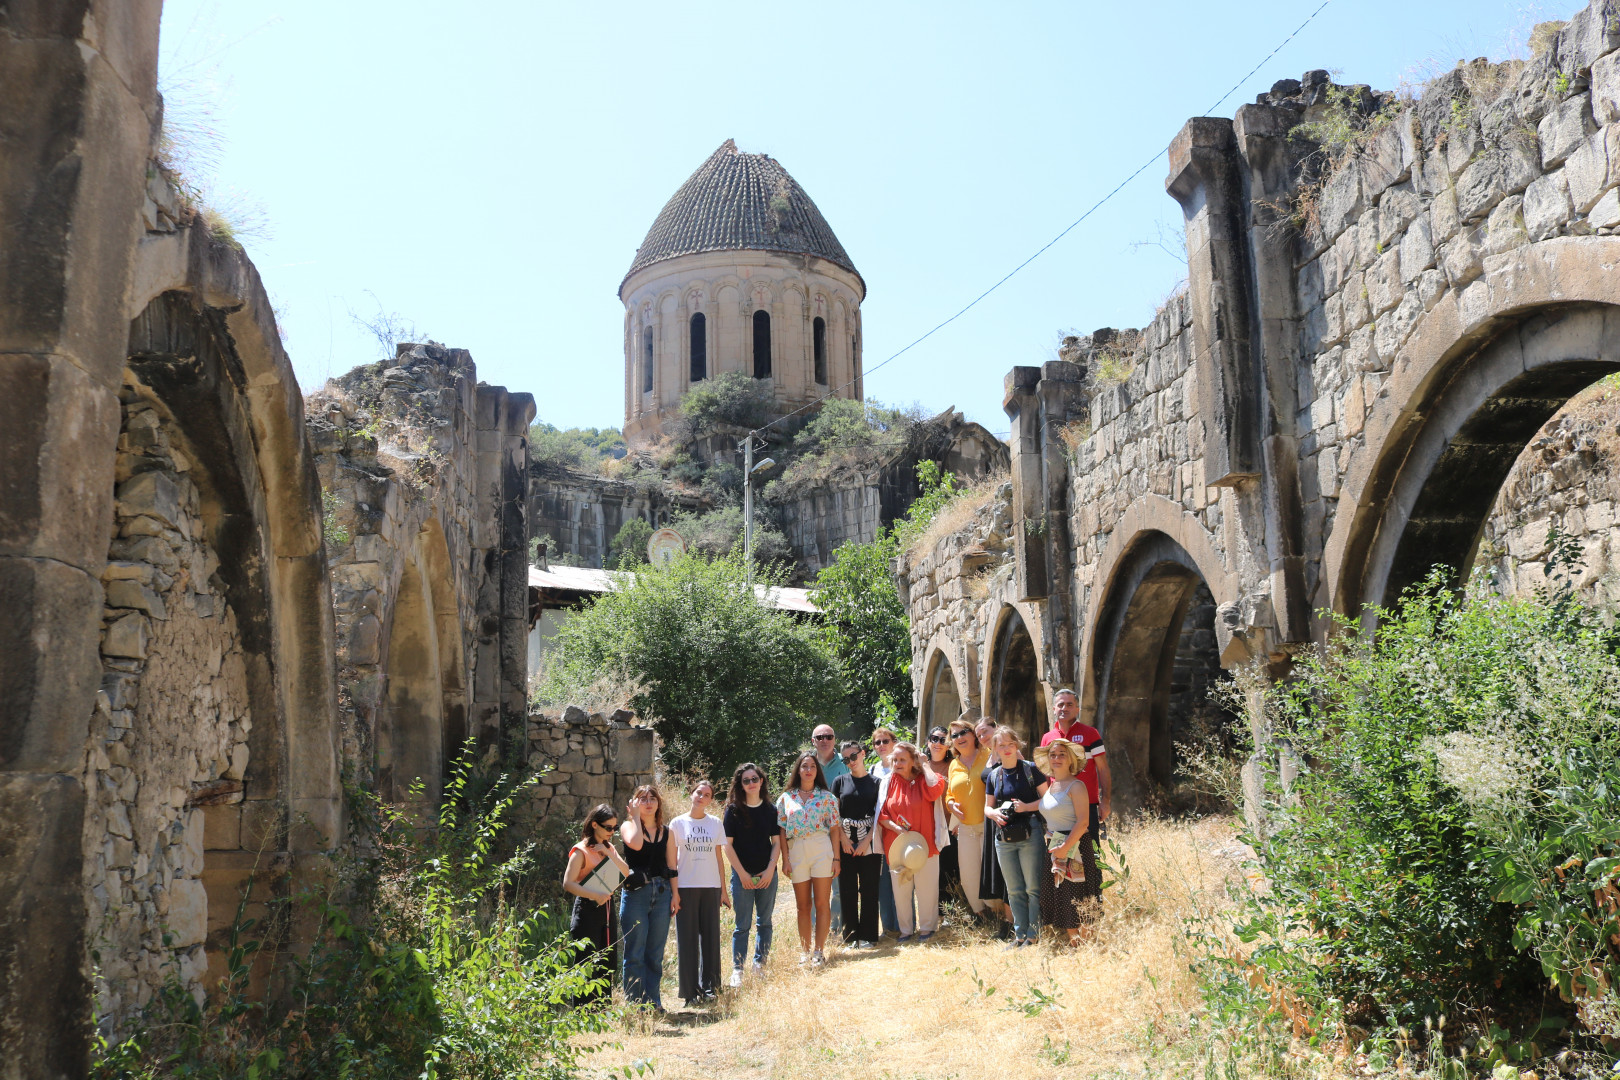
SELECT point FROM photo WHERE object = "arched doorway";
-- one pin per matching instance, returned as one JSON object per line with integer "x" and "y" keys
{"x": 1438, "y": 474}
{"x": 1016, "y": 693}
{"x": 942, "y": 702}
{"x": 1155, "y": 660}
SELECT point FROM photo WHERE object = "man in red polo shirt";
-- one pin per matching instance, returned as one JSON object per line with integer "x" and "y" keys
{"x": 1066, "y": 725}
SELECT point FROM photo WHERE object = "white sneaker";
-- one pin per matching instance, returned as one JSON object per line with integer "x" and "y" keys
{"x": 736, "y": 976}
{"x": 804, "y": 958}
{"x": 756, "y": 968}
{"x": 816, "y": 959}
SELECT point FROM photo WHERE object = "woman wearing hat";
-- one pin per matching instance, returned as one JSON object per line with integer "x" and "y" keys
{"x": 940, "y": 755}
{"x": 1066, "y": 808}
{"x": 912, "y": 822}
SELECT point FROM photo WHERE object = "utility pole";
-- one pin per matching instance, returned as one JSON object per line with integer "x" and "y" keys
{"x": 749, "y": 469}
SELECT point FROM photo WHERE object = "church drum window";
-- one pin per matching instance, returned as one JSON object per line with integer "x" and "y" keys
{"x": 818, "y": 334}
{"x": 762, "y": 344}
{"x": 647, "y": 360}
{"x": 700, "y": 348}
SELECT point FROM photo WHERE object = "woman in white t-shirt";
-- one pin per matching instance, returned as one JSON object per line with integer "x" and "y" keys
{"x": 697, "y": 876}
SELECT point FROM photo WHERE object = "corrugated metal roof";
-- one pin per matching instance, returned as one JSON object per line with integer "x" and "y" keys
{"x": 587, "y": 580}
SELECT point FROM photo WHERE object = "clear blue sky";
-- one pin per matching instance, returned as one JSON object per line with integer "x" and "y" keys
{"x": 487, "y": 169}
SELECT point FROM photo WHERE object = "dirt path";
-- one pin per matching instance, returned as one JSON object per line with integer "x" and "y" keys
{"x": 962, "y": 1005}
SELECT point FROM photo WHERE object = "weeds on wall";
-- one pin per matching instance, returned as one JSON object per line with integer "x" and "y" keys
{"x": 1440, "y": 878}
{"x": 425, "y": 964}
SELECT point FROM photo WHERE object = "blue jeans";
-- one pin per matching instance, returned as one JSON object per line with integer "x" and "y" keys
{"x": 886, "y": 908}
{"x": 755, "y": 906}
{"x": 1021, "y": 867}
{"x": 644, "y": 931}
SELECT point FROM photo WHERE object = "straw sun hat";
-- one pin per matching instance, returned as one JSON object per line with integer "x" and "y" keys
{"x": 909, "y": 851}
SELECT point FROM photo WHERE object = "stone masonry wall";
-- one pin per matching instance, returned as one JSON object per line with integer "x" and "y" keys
{"x": 169, "y": 735}
{"x": 592, "y": 758}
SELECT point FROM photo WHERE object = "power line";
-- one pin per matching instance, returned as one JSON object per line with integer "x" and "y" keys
{"x": 1071, "y": 227}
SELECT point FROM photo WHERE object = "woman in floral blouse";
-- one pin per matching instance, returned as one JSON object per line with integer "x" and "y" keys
{"x": 808, "y": 815}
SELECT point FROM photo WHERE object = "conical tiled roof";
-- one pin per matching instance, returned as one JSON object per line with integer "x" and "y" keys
{"x": 739, "y": 202}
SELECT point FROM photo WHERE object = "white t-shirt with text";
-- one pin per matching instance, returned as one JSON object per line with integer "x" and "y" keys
{"x": 696, "y": 840}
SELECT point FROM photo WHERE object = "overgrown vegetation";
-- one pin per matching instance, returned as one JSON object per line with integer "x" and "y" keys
{"x": 730, "y": 400}
{"x": 723, "y": 677}
{"x": 585, "y": 450}
{"x": 426, "y": 963}
{"x": 1450, "y": 849}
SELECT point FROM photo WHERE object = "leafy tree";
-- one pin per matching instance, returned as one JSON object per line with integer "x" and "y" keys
{"x": 576, "y": 449}
{"x": 865, "y": 624}
{"x": 733, "y": 398}
{"x": 720, "y": 531}
{"x": 629, "y": 545}
{"x": 724, "y": 677}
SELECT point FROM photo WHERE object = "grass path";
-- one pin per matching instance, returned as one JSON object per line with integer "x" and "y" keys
{"x": 962, "y": 1005}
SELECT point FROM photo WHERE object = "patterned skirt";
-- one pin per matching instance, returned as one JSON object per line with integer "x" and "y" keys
{"x": 1069, "y": 905}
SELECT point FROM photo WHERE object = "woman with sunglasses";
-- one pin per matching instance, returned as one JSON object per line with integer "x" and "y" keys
{"x": 808, "y": 815}
{"x": 697, "y": 875}
{"x": 644, "y": 906}
{"x": 883, "y": 741}
{"x": 592, "y": 920}
{"x": 964, "y": 798}
{"x": 856, "y": 792}
{"x": 940, "y": 755}
{"x": 752, "y": 840}
{"x": 909, "y": 801}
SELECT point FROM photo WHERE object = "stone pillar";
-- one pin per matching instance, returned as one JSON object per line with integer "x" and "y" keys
{"x": 1022, "y": 406}
{"x": 80, "y": 96}
{"x": 1204, "y": 179}
{"x": 500, "y": 549}
{"x": 1060, "y": 393}
{"x": 1271, "y": 161}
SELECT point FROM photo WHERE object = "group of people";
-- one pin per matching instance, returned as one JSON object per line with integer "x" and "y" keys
{"x": 863, "y": 847}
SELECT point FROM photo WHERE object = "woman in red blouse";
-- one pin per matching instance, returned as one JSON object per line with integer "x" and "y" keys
{"x": 909, "y": 802}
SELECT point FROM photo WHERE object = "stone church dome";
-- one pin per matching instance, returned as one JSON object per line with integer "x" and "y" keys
{"x": 740, "y": 202}
{"x": 739, "y": 273}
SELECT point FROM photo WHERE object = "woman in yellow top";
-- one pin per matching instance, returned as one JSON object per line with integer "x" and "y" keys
{"x": 964, "y": 798}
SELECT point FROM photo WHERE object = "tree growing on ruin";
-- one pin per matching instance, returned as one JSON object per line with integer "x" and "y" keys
{"x": 724, "y": 678}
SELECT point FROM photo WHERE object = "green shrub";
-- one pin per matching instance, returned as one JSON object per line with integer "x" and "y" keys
{"x": 573, "y": 449}
{"x": 421, "y": 966}
{"x": 725, "y": 678}
{"x": 1379, "y": 910}
{"x": 734, "y": 398}
{"x": 719, "y": 532}
{"x": 628, "y": 548}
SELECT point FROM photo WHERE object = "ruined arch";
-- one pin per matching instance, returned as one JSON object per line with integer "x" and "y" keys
{"x": 942, "y": 698}
{"x": 1015, "y": 692}
{"x": 1476, "y": 379}
{"x": 1152, "y": 655}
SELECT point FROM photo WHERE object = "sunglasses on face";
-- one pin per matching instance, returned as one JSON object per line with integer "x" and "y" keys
{"x": 882, "y": 742}
{"x": 961, "y": 734}
{"x": 936, "y": 738}
{"x": 750, "y": 779}
{"x": 822, "y": 738}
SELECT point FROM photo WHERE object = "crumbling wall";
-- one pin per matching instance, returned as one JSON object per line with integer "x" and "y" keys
{"x": 422, "y": 469}
{"x": 590, "y": 757}
{"x": 169, "y": 735}
{"x": 580, "y": 515}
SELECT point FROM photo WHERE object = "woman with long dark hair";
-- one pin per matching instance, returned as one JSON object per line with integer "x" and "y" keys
{"x": 697, "y": 862}
{"x": 808, "y": 814}
{"x": 592, "y": 919}
{"x": 752, "y": 839}
{"x": 644, "y": 906}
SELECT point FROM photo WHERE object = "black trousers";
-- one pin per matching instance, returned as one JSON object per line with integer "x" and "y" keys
{"x": 598, "y": 926}
{"x": 697, "y": 942}
{"x": 858, "y": 878}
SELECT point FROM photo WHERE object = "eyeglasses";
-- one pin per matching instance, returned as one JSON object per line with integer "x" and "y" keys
{"x": 882, "y": 742}
{"x": 822, "y": 738}
{"x": 851, "y": 757}
{"x": 961, "y": 734}
{"x": 750, "y": 779}
{"x": 936, "y": 738}
{"x": 608, "y": 825}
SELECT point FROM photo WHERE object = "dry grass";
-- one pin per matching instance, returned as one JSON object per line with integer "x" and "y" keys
{"x": 1116, "y": 1006}
{"x": 955, "y": 514}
